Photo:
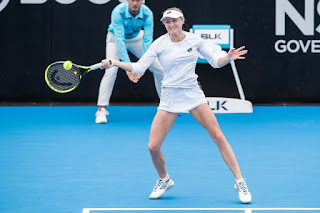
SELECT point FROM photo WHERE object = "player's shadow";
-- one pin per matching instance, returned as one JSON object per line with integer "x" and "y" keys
{"x": 168, "y": 198}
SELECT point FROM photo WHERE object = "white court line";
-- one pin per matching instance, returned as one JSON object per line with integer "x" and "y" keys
{"x": 246, "y": 210}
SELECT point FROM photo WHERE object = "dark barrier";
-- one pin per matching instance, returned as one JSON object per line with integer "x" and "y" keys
{"x": 282, "y": 37}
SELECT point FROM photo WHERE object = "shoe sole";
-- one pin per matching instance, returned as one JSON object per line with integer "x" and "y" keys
{"x": 245, "y": 202}
{"x": 101, "y": 121}
{"x": 169, "y": 187}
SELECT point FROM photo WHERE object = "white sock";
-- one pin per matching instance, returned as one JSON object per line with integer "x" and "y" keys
{"x": 240, "y": 181}
{"x": 165, "y": 179}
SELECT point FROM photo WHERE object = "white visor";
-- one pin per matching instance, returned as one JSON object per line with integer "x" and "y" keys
{"x": 171, "y": 14}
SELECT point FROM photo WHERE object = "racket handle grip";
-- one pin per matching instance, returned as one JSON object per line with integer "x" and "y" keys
{"x": 95, "y": 66}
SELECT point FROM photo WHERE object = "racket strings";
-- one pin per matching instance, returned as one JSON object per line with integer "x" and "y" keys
{"x": 61, "y": 79}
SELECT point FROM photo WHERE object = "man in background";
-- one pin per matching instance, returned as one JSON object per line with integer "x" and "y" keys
{"x": 131, "y": 29}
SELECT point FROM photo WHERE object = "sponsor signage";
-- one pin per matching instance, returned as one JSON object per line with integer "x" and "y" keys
{"x": 4, "y": 3}
{"x": 229, "y": 105}
{"x": 304, "y": 22}
{"x": 214, "y": 34}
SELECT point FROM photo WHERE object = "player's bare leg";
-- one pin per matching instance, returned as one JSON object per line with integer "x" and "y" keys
{"x": 204, "y": 115}
{"x": 160, "y": 127}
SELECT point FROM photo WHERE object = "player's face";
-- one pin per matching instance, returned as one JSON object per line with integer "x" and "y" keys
{"x": 173, "y": 25}
{"x": 134, "y": 6}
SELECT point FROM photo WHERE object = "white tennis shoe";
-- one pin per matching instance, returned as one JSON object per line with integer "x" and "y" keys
{"x": 244, "y": 193}
{"x": 160, "y": 188}
{"x": 101, "y": 116}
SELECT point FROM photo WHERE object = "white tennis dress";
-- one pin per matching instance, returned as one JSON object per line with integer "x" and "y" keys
{"x": 180, "y": 90}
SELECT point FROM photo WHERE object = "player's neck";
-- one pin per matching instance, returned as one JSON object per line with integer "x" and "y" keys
{"x": 177, "y": 37}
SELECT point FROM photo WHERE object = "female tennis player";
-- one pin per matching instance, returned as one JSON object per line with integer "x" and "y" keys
{"x": 178, "y": 52}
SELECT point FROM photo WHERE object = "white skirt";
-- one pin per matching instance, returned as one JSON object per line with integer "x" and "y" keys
{"x": 181, "y": 100}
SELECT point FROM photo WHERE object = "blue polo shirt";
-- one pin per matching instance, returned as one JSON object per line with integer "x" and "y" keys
{"x": 124, "y": 25}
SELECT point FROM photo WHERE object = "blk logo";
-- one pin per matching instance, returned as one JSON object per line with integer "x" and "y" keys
{"x": 210, "y": 36}
{"x": 220, "y": 106}
{"x": 190, "y": 49}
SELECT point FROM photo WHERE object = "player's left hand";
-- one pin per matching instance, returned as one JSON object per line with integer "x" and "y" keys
{"x": 136, "y": 77}
{"x": 235, "y": 54}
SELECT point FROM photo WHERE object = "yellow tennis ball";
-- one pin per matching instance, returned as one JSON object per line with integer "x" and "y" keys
{"x": 67, "y": 65}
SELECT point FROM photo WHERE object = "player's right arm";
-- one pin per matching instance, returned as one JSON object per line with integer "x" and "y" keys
{"x": 108, "y": 63}
{"x": 139, "y": 67}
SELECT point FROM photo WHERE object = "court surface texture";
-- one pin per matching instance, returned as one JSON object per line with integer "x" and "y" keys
{"x": 55, "y": 159}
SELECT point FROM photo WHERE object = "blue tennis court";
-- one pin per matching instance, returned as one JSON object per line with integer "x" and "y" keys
{"x": 56, "y": 159}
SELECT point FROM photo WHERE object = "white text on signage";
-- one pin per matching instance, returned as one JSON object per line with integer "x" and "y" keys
{"x": 305, "y": 24}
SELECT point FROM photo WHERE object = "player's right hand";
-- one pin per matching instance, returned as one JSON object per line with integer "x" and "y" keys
{"x": 107, "y": 63}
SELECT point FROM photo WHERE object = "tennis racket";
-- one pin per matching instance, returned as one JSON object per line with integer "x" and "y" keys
{"x": 61, "y": 80}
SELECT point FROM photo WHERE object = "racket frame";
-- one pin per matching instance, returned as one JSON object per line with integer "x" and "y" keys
{"x": 82, "y": 74}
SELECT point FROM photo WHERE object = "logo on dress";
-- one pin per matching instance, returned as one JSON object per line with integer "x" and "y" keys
{"x": 190, "y": 49}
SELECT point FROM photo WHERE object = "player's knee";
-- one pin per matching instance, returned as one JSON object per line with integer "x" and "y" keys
{"x": 153, "y": 149}
{"x": 219, "y": 138}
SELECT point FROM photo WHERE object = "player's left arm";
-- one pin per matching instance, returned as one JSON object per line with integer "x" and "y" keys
{"x": 217, "y": 61}
{"x": 233, "y": 54}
